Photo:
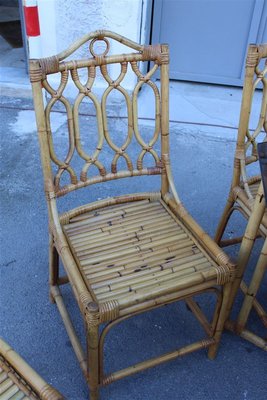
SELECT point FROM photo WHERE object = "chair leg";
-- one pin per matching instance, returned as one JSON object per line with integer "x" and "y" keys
{"x": 53, "y": 266}
{"x": 93, "y": 352}
{"x": 223, "y": 315}
{"x": 253, "y": 288}
{"x": 228, "y": 210}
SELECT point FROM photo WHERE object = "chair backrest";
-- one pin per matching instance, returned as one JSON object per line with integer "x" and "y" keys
{"x": 246, "y": 149}
{"x": 96, "y": 66}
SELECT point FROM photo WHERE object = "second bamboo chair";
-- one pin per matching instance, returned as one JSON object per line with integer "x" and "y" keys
{"x": 245, "y": 184}
{"x": 250, "y": 292}
{"x": 18, "y": 381}
{"x": 128, "y": 254}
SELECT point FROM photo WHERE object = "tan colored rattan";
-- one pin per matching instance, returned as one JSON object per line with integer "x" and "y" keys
{"x": 148, "y": 252}
{"x": 127, "y": 254}
{"x": 18, "y": 381}
{"x": 250, "y": 292}
{"x": 244, "y": 187}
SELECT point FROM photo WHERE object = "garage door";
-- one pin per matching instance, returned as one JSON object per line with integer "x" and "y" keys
{"x": 208, "y": 38}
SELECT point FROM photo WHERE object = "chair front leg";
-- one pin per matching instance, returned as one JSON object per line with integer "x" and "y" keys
{"x": 93, "y": 350}
{"x": 228, "y": 210}
{"x": 223, "y": 315}
{"x": 53, "y": 265}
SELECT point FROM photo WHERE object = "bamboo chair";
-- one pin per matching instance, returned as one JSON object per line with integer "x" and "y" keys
{"x": 132, "y": 253}
{"x": 250, "y": 292}
{"x": 18, "y": 381}
{"x": 244, "y": 187}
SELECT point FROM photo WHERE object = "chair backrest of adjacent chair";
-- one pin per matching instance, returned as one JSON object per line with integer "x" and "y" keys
{"x": 253, "y": 117}
{"x": 95, "y": 108}
{"x": 262, "y": 151}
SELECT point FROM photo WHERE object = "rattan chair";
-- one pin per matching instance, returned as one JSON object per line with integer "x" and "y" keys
{"x": 19, "y": 381}
{"x": 245, "y": 183}
{"x": 127, "y": 254}
{"x": 250, "y": 301}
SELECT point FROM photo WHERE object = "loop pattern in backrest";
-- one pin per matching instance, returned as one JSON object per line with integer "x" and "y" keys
{"x": 95, "y": 65}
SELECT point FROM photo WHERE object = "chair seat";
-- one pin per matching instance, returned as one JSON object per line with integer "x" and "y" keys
{"x": 131, "y": 249}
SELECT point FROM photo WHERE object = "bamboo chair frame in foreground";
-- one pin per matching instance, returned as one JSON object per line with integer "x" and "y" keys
{"x": 127, "y": 254}
{"x": 19, "y": 381}
{"x": 250, "y": 292}
{"x": 244, "y": 187}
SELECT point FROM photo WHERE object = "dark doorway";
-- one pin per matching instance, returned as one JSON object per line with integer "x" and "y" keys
{"x": 11, "y": 40}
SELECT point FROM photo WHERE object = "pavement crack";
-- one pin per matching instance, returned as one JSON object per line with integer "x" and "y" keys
{"x": 8, "y": 263}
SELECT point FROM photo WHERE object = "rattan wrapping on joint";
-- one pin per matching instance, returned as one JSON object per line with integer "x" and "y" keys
{"x": 49, "y": 65}
{"x": 109, "y": 311}
{"x": 252, "y": 60}
{"x": 223, "y": 274}
{"x": 152, "y": 52}
{"x": 36, "y": 75}
{"x": 48, "y": 393}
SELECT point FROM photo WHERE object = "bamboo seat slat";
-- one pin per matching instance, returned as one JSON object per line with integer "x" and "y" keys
{"x": 167, "y": 257}
{"x": 3, "y": 376}
{"x": 19, "y": 396}
{"x": 5, "y": 385}
{"x": 135, "y": 244}
{"x": 116, "y": 232}
{"x": 130, "y": 263}
{"x": 149, "y": 281}
{"x": 9, "y": 393}
{"x": 117, "y": 224}
{"x": 152, "y": 273}
{"x": 137, "y": 290}
{"x": 126, "y": 207}
{"x": 116, "y": 218}
{"x": 119, "y": 240}
{"x": 115, "y": 211}
{"x": 141, "y": 269}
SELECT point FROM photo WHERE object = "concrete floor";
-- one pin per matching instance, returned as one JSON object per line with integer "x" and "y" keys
{"x": 202, "y": 163}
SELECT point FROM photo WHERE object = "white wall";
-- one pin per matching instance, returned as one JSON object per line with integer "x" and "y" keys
{"x": 64, "y": 21}
{"x": 76, "y": 18}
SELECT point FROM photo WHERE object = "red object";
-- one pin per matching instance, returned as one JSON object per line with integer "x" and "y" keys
{"x": 31, "y": 21}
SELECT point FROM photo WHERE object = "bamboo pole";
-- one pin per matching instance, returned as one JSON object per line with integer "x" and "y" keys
{"x": 93, "y": 351}
{"x": 157, "y": 361}
{"x": 70, "y": 328}
{"x": 164, "y": 77}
